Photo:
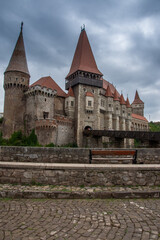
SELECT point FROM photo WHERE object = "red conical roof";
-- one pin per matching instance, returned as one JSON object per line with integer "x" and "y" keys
{"x": 122, "y": 101}
{"x": 108, "y": 92}
{"x": 137, "y": 99}
{"x": 116, "y": 98}
{"x": 128, "y": 105}
{"x": 18, "y": 61}
{"x": 48, "y": 82}
{"x": 83, "y": 57}
{"x": 70, "y": 92}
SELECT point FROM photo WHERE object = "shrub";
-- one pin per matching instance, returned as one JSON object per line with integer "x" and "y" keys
{"x": 32, "y": 140}
{"x": 1, "y": 120}
{"x": 50, "y": 145}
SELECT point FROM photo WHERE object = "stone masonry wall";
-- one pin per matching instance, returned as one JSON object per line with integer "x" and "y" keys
{"x": 66, "y": 155}
{"x": 39, "y": 154}
{"x": 81, "y": 175}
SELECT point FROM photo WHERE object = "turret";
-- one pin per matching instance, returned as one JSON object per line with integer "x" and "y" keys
{"x": 70, "y": 103}
{"x": 129, "y": 115}
{"x": 116, "y": 115}
{"x": 16, "y": 82}
{"x": 109, "y": 108}
{"x": 138, "y": 105}
{"x": 122, "y": 113}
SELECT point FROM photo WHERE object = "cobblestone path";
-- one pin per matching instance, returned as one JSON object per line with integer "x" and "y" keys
{"x": 79, "y": 219}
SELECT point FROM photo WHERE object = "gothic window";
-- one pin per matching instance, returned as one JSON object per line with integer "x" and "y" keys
{"x": 72, "y": 103}
{"x": 45, "y": 115}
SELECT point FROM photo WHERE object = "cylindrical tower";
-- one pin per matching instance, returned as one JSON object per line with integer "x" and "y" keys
{"x": 16, "y": 82}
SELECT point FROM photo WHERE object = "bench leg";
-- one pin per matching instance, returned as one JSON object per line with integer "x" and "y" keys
{"x": 90, "y": 156}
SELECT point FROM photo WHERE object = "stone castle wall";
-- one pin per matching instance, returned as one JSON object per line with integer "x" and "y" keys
{"x": 81, "y": 175}
{"x": 66, "y": 155}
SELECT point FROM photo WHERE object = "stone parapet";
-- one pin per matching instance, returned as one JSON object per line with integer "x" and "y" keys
{"x": 80, "y": 174}
{"x": 46, "y": 123}
{"x": 66, "y": 155}
{"x": 39, "y": 90}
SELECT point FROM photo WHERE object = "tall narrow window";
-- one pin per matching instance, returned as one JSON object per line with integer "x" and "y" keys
{"x": 89, "y": 103}
{"x": 45, "y": 115}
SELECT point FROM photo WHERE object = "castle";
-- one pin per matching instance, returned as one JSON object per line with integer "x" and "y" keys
{"x": 59, "y": 117}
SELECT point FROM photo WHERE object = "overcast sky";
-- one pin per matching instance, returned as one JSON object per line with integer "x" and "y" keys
{"x": 124, "y": 36}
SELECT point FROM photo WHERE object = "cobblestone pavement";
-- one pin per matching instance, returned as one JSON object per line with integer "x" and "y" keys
{"x": 79, "y": 219}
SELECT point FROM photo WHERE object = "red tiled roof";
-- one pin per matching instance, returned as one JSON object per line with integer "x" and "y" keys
{"x": 112, "y": 88}
{"x": 89, "y": 94}
{"x": 137, "y": 99}
{"x": 50, "y": 83}
{"x": 122, "y": 101}
{"x": 83, "y": 57}
{"x": 70, "y": 92}
{"x": 18, "y": 61}
{"x": 128, "y": 105}
{"x": 139, "y": 117}
{"x": 108, "y": 92}
{"x": 116, "y": 98}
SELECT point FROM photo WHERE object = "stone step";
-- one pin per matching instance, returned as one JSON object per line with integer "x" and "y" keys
{"x": 64, "y": 192}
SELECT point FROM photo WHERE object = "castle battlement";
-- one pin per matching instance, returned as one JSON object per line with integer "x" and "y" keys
{"x": 39, "y": 90}
{"x": 46, "y": 123}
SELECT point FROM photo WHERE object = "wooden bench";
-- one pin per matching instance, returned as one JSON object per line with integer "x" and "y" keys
{"x": 112, "y": 152}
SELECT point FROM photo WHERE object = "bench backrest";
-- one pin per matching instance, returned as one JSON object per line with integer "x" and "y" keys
{"x": 113, "y": 152}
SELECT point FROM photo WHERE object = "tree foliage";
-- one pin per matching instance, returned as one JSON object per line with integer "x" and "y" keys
{"x": 18, "y": 139}
{"x": 154, "y": 126}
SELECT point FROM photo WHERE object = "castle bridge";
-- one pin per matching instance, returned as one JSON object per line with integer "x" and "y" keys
{"x": 140, "y": 135}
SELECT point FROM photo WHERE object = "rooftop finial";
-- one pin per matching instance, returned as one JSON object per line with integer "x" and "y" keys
{"x": 21, "y": 26}
{"x": 83, "y": 27}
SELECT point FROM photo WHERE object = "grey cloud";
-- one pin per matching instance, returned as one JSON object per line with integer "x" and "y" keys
{"x": 52, "y": 28}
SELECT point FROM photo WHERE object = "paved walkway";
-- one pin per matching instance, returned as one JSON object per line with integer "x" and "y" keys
{"x": 79, "y": 219}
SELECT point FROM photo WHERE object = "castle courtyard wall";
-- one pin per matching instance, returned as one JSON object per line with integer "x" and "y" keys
{"x": 66, "y": 155}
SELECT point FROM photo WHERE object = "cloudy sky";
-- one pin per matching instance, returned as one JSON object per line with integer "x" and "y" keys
{"x": 124, "y": 36}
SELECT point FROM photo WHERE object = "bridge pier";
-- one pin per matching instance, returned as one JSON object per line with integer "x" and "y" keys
{"x": 119, "y": 143}
{"x": 120, "y": 139}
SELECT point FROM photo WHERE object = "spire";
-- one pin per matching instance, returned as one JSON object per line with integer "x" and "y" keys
{"x": 128, "y": 105}
{"x": 122, "y": 101}
{"x": 83, "y": 57}
{"x": 108, "y": 92}
{"x": 137, "y": 99}
{"x": 70, "y": 92}
{"x": 116, "y": 98}
{"x": 18, "y": 60}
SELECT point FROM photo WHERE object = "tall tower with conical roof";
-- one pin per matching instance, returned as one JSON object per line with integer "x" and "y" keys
{"x": 138, "y": 105}
{"x": 16, "y": 82}
{"x": 85, "y": 79}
